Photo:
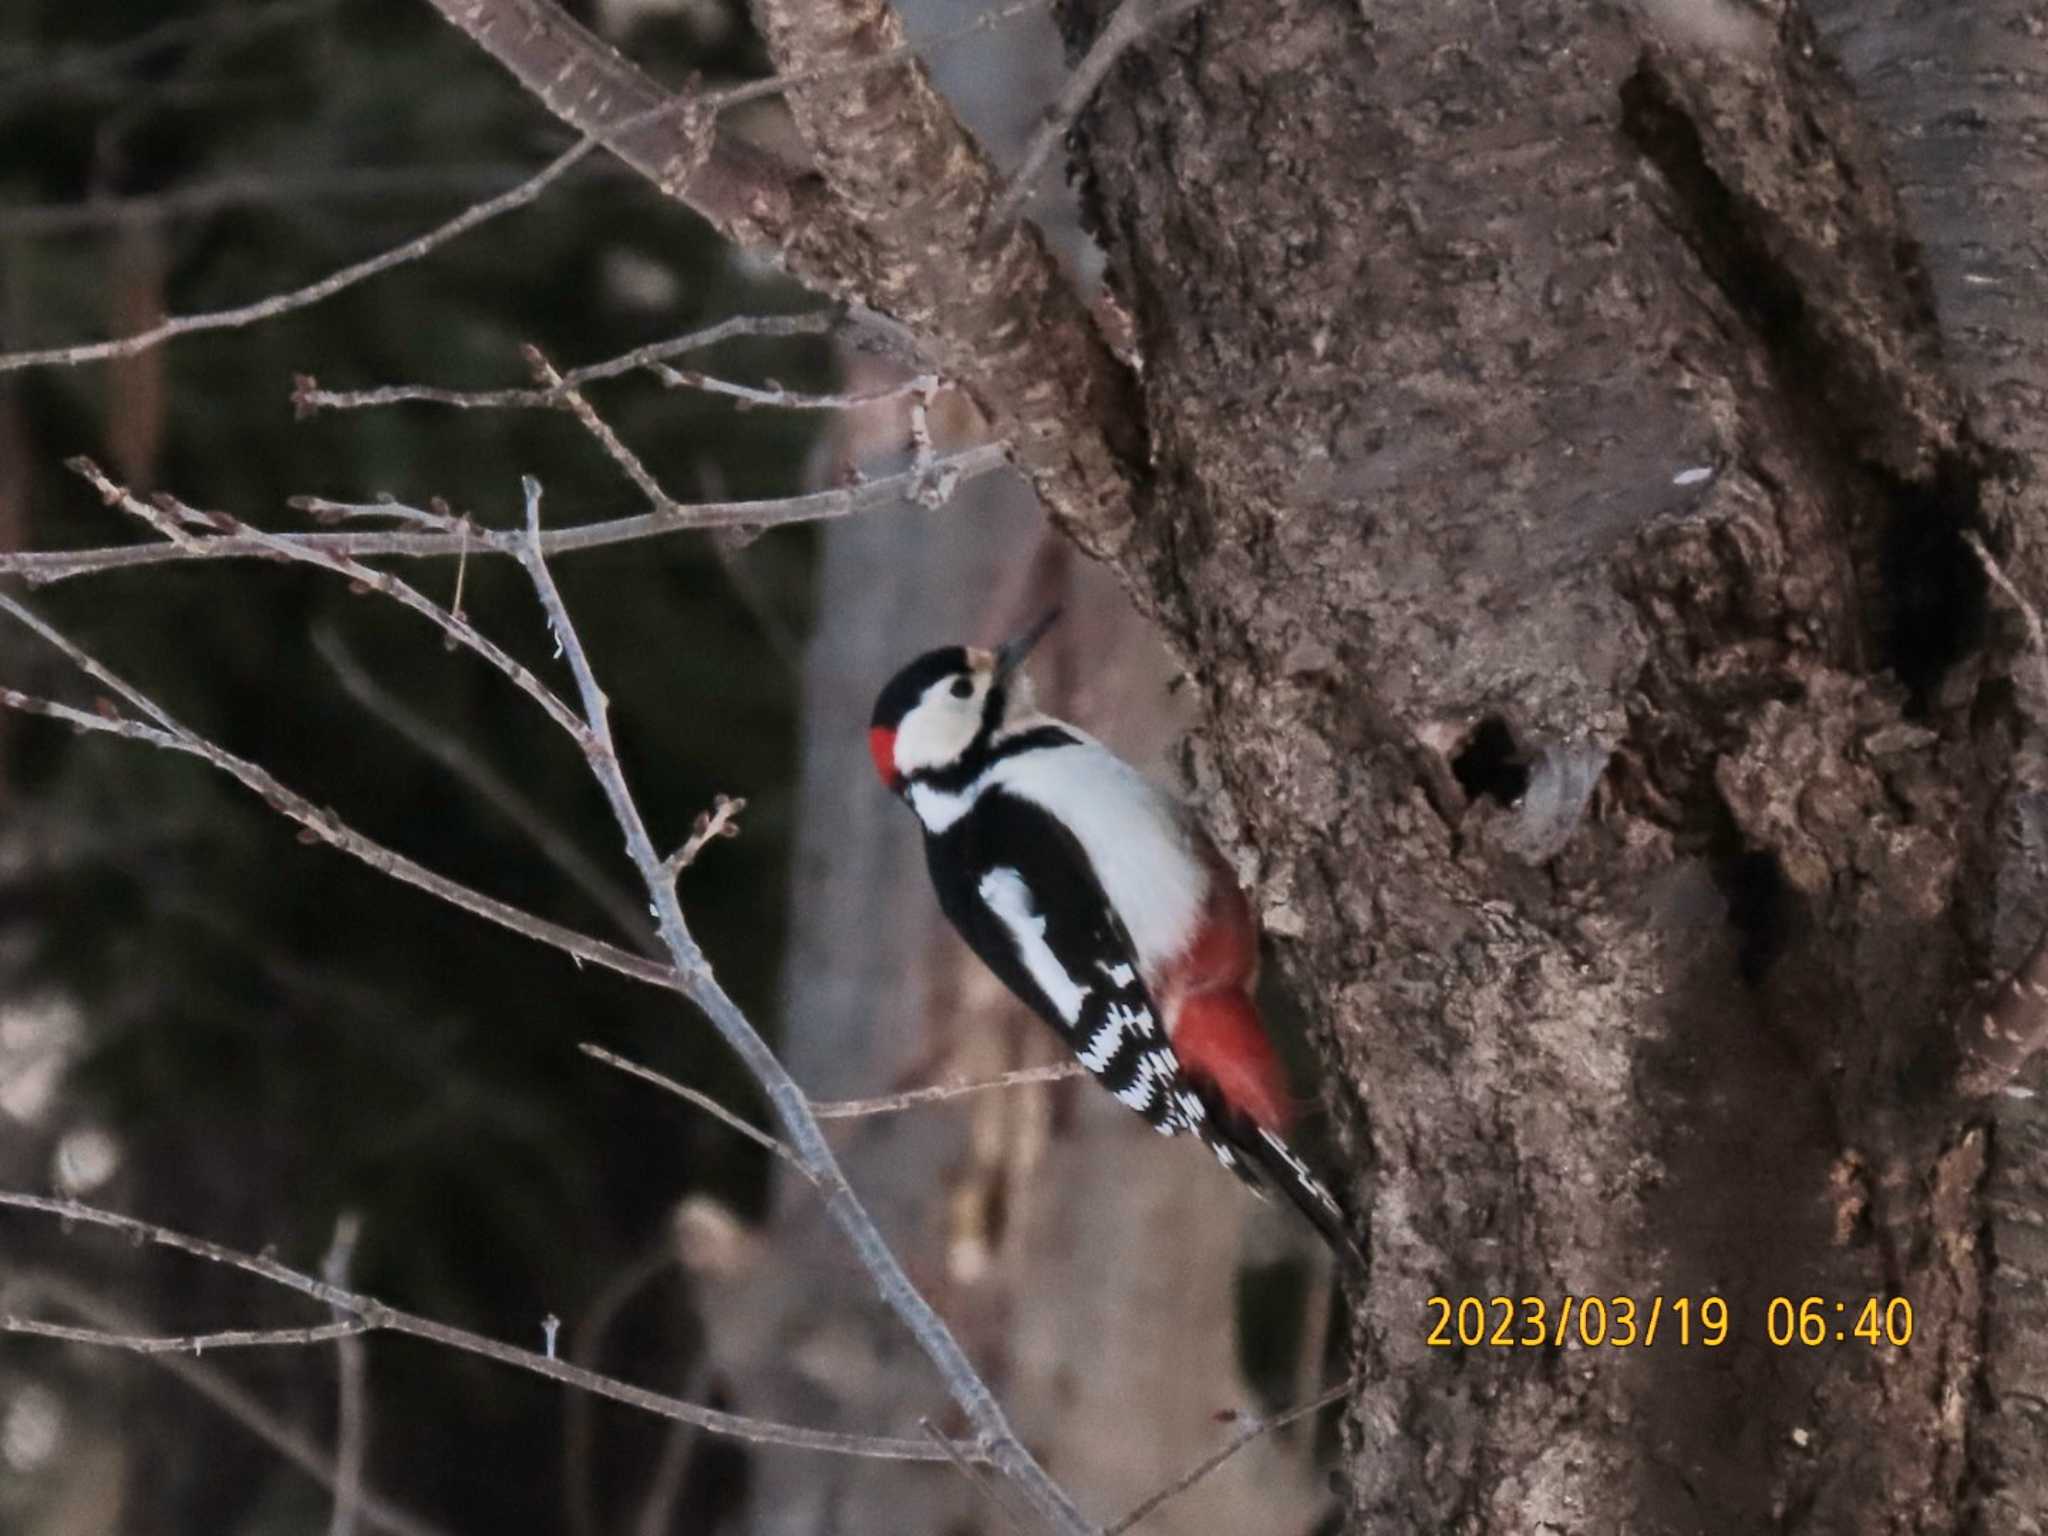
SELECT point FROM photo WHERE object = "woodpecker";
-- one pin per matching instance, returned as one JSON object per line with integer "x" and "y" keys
{"x": 1098, "y": 899}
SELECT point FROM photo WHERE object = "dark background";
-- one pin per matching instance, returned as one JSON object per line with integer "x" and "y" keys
{"x": 268, "y": 1034}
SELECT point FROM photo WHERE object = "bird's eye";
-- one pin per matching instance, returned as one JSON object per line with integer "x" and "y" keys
{"x": 962, "y": 688}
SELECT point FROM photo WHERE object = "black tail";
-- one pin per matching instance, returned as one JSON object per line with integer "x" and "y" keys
{"x": 1266, "y": 1162}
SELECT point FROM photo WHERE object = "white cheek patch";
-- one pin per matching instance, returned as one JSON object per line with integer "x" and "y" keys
{"x": 939, "y": 729}
{"x": 1010, "y": 899}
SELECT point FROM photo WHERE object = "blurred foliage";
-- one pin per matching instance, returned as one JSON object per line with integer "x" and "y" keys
{"x": 275, "y": 1034}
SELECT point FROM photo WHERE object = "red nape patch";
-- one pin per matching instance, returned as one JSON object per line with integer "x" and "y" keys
{"x": 882, "y": 747}
{"x": 1217, "y": 1036}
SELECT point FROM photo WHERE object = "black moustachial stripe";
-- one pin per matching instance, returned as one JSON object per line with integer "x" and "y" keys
{"x": 985, "y": 751}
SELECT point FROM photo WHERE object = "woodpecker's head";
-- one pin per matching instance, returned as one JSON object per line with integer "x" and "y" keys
{"x": 948, "y": 704}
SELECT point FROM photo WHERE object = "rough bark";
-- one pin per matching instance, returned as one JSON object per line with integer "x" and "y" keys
{"x": 1956, "y": 93}
{"x": 1561, "y": 468}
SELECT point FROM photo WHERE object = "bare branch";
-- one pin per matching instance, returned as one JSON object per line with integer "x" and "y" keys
{"x": 312, "y": 293}
{"x": 376, "y": 1510}
{"x": 788, "y": 399}
{"x": 722, "y": 820}
{"x": 1132, "y": 22}
{"x": 703, "y": 1101}
{"x": 1243, "y": 1438}
{"x": 309, "y": 398}
{"x": 185, "y": 1343}
{"x": 614, "y": 448}
{"x": 258, "y": 189}
{"x": 378, "y": 1316}
{"x": 890, "y": 1103}
{"x": 323, "y": 825}
{"x": 177, "y": 523}
{"x": 800, "y": 1127}
{"x": 845, "y": 501}
{"x": 988, "y": 306}
{"x": 909, "y": 231}
{"x": 689, "y": 975}
{"x": 445, "y": 748}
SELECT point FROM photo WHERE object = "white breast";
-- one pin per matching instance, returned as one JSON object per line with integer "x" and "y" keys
{"x": 1133, "y": 834}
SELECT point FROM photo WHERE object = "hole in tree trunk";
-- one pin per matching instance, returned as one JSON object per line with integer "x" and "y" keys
{"x": 1759, "y": 910}
{"x": 1490, "y": 764}
{"x": 1934, "y": 588}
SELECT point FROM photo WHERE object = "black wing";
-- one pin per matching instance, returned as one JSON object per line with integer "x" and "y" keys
{"x": 1268, "y": 1162}
{"x": 1023, "y": 894}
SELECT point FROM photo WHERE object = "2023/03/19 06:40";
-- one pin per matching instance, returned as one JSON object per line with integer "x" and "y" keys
{"x": 1624, "y": 1322}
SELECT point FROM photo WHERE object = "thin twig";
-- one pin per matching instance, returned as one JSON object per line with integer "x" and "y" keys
{"x": 722, "y": 820}
{"x": 703, "y": 1101}
{"x": 381, "y": 1317}
{"x": 845, "y": 501}
{"x": 703, "y": 109}
{"x": 323, "y": 825}
{"x": 889, "y": 1103}
{"x": 800, "y": 1127}
{"x": 185, "y": 1343}
{"x": 179, "y": 524}
{"x": 775, "y": 395}
{"x": 614, "y": 447}
{"x": 258, "y": 189}
{"x": 377, "y": 1511}
{"x": 308, "y": 397}
{"x": 301, "y": 298}
{"x": 1238, "y": 1442}
{"x": 1132, "y": 22}
{"x": 830, "y": 1109}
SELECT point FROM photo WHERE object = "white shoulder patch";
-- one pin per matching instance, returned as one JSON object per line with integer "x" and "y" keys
{"x": 1010, "y": 899}
{"x": 1133, "y": 833}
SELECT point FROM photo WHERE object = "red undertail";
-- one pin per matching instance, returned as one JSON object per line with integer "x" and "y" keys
{"x": 1218, "y": 1036}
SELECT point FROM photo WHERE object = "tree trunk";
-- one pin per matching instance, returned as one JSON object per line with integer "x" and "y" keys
{"x": 1563, "y": 456}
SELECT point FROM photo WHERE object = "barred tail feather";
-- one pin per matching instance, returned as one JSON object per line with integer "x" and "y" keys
{"x": 1265, "y": 1161}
